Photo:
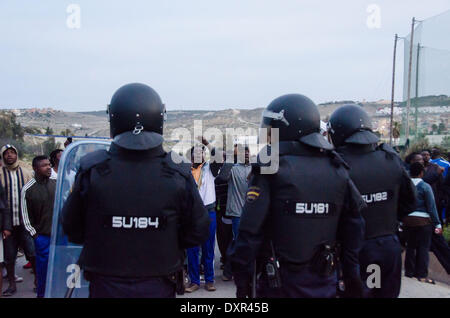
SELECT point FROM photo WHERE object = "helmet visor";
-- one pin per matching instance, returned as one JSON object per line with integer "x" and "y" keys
{"x": 316, "y": 140}
{"x": 143, "y": 140}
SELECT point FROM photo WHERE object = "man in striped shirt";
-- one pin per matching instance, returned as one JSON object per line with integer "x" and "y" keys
{"x": 38, "y": 197}
{"x": 13, "y": 178}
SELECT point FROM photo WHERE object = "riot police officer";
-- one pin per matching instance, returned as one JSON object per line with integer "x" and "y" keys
{"x": 379, "y": 175}
{"x": 293, "y": 219}
{"x": 132, "y": 207}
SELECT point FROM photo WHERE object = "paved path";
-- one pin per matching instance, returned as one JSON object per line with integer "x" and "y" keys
{"x": 411, "y": 288}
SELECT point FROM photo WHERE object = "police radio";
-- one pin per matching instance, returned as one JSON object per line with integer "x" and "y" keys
{"x": 273, "y": 270}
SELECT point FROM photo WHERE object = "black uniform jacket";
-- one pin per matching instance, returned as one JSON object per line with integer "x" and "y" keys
{"x": 310, "y": 200}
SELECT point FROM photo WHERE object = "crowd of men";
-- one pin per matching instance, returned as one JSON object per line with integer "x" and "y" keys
{"x": 311, "y": 229}
{"x": 26, "y": 206}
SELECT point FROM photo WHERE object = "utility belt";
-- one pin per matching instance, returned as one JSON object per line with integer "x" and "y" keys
{"x": 324, "y": 262}
{"x": 176, "y": 278}
{"x": 294, "y": 267}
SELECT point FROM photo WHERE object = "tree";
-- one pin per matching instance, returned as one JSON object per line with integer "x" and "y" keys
{"x": 48, "y": 131}
{"x": 418, "y": 145}
{"x": 48, "y": 146}
{"x": 422, "y": 133}
{"x": 441, "y": 128}
{"x": 446, "y": 142}
{"x": 66, "y": 132}
{"x": 396, "y": 130}
{"x": 434, "y": 128}
{"x": 9, "y": 128}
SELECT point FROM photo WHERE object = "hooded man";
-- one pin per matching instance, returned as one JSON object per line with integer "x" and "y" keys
{"x": 13, "y": 178}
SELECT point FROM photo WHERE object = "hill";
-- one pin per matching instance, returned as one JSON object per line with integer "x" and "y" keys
{"x": 95, "y": 123}
{"x": 432, "y": 100}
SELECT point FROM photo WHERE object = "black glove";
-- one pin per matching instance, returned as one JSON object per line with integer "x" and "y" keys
{"x": 243, "y": 284}
{"x": 354, "y": 288}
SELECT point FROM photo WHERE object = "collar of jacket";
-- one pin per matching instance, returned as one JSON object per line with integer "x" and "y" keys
{"x": 297, "y": 148}
{"x": 41, "y": 180}
{"x": 116, "y": 150}
{"x": 356, "y": 149}
{"x": 12, "y": 167}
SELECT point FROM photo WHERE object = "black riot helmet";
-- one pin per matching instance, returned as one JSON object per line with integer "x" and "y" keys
{"x": 136, "y": 117}
{"x": 297, "y": 118}
{"x": 351, "y": 124}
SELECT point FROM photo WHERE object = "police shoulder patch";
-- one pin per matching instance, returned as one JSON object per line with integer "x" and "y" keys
{"x": 253, "y": 194}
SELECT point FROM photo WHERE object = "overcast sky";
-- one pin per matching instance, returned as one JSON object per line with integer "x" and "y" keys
{"x": 201, "y": 54}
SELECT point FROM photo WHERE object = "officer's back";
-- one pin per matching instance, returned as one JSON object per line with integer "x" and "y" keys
{"x": 378, "y": 174}
{"x": 308, "y": 194}
{"x": 379, "y": 177}
{"x": 295, "y": 216}
{"x": 133, "y": 209}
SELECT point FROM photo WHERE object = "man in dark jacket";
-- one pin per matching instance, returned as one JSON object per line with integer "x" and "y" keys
{"x": 419, "y": 227}
{"x": 434, "y": 176}
{"x": 38, "y": 197}
{"x": 224, "y": 228}
{"x": 224, "y": 178}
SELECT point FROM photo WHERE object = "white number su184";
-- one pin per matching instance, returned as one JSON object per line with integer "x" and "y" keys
{"x": 129, "y": 222}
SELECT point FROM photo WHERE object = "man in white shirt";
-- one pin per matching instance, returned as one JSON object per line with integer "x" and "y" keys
{"x": 204, "y": 173}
